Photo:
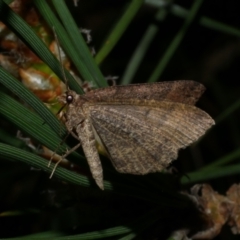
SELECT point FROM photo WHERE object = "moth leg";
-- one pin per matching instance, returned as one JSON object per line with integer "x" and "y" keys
{"x": 70, "y": 129}
{"x": 67, "y": 152}
{"x": 65, "y": 155}
{"x": 74, "y": 135}
{"x": 63, "y": 118}
{"x": 53, "y": 154}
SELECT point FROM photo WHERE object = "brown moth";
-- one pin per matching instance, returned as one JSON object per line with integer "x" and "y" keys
{"x": 141, "y": 126}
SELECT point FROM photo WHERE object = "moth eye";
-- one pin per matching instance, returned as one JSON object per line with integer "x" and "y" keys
{"x": 69, "y": 98}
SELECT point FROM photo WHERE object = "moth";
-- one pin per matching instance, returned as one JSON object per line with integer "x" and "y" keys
{"x": 141, "y": 126}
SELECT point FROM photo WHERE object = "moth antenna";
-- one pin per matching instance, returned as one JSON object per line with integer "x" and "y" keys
{"x": 60, "y": 57}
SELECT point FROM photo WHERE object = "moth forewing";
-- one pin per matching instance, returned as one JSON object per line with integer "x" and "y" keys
{"x": 184, "y": 91}
{"x": 86, "y": 136}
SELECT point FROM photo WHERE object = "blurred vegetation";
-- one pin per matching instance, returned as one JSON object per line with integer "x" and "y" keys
{"x": 138, "y": 41}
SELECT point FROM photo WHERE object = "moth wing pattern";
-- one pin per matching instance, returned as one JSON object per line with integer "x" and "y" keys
{"x": 145, "y": 137}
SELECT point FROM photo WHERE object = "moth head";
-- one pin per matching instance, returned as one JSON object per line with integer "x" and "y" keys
{"x": 67, "y": 98}
{"x": 70, "y": 97}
